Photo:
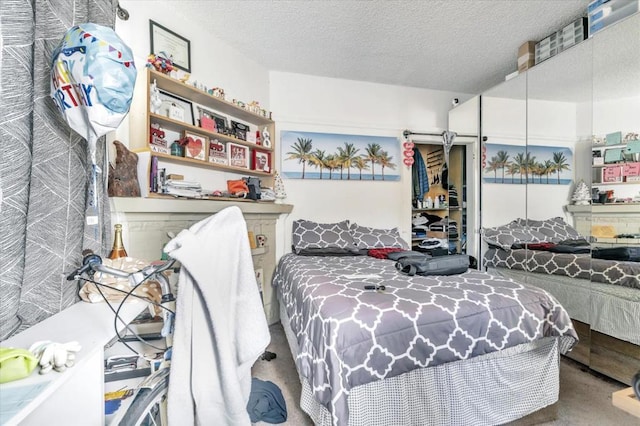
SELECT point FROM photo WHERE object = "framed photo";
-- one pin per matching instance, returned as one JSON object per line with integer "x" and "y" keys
{"x": 176, "y": 108}
{"x": 216, "y": 122}
{"x": 165, "y": 40}
{"x": 218, "y": 152}
{"x": 238, "y": 155}
{"x": 261, "y": 161}
{"x": 195, "y": 145}
{"x": 239, "y": 130}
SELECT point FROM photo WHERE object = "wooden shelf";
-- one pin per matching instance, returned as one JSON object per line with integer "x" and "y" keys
{"x": 599, "y": 166}
{"x": 614, "y": 183}
{"x": 598, "y": 147}
{"x": 188, "y": 92}
{"x": 206, "y": 164}
{"x": 199, "y": 130}
{"x": 439, "y": 209}
{"x": 168, "y": 204}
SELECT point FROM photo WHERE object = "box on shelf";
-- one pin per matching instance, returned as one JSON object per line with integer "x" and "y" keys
{"x": 218, "y": 152}
{"x": 602, "y": 13}
{"x": 526, "y": 55}
{"x": 611, "y": 174}
{"x": 157, "y": 141}
{"x": 572, "y": 34}
{"x": 630, "y": 170}
{"x": 546, "y": 48}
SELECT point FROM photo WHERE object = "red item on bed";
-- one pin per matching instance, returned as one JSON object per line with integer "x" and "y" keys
{"x": 381, "y": 253}
{"x": 540, "y": 246}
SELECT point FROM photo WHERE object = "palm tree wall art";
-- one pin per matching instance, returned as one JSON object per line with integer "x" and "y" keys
{"x": 330, "y": 156}
{"x": 531, "y": 164}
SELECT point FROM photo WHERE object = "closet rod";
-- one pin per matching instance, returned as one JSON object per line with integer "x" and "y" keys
{"x": 408, "y": 133}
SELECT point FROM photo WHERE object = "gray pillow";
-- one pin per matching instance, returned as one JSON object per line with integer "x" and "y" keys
{"x": 506, "y": 235}
{"x": 554, "y": 229}
{"x": 370, "y": 238}
{"x": 312, "y": 235}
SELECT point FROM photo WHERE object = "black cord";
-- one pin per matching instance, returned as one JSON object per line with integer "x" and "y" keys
{"x": 117, "y": 317}
{"x": 117, "y": 312}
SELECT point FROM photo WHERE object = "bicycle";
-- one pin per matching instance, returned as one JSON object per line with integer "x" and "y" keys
{"x": 149, "y": 404}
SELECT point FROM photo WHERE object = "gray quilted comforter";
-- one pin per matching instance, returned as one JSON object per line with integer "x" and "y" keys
{"x": 614, "y": 272}
{"x": 349, "y": 336}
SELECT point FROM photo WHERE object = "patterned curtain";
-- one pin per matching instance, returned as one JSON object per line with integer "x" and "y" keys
{"x": 44, "y": 166}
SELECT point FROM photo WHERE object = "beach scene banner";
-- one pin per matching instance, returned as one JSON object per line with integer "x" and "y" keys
{"x": 533, "y": 164}
{"x": 332, "y": 156}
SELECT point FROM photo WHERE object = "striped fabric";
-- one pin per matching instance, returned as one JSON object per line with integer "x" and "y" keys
{"x": 43, "y": 166}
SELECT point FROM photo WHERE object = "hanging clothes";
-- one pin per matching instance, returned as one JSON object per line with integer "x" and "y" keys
{"x": 419, "y": 176}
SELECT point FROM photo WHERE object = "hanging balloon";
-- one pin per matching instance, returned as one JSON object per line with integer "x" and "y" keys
{"x": 92, "y": 80}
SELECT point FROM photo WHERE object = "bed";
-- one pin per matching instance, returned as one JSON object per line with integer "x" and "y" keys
{"x": 462, "y": 349}
{"x": 602, "y": 296}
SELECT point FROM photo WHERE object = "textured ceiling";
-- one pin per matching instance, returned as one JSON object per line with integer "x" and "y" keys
{"x": 458, "y": 45}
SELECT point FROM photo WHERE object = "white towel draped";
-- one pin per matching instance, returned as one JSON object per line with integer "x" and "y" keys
{"x": 220, "y": 328}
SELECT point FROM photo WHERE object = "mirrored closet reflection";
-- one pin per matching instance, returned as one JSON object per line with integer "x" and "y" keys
{"x": 560, "y": 189}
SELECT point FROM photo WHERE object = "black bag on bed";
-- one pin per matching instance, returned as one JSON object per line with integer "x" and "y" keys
{"x": 442, "y": 265}
{"x": 397, "y": 255}
{"x": 631, "y": 254}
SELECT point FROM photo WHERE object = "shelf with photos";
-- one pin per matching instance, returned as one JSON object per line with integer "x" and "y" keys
{"x": 185, "y": 125}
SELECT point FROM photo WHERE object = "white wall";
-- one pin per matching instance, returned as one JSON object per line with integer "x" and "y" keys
{"x": 301, "y": 102}
{"x": 318, "y": 104}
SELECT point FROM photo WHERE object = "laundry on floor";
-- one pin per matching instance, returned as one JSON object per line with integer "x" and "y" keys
{"x": 266, "y": 402}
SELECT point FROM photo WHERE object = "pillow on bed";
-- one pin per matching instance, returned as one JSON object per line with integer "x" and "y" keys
{"x": 366, "y": 238}
{"x": 507, "y": 235}
{"x": 329, "y": 237}
{"x": 555, "y": 229}
{"x": 329, "y": 251}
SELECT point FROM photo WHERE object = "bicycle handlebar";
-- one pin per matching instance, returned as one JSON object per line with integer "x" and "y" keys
{"x": 93, "y": 263}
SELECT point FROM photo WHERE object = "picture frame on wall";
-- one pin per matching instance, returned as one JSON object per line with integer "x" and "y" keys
{"x": 195, "y": 145}
{"x": 173, "y": 44}
{"x": 261, "y": 161}
{"x": 176, "y": 108}
{"x": 238, "y": 155}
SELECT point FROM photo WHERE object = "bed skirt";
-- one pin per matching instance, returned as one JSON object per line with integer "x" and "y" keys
{"x": 491, "y": 389}
{"x": 609, "y": 309}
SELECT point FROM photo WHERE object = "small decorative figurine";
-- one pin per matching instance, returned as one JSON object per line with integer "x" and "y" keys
{"x": 156, "y": 101}
{"x": 581, "y": 195}
{"x": 278, "y": 184}
{"x": 162, "y": 62}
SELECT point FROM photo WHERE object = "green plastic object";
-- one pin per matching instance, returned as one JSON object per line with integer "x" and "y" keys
{"x": 16, "y": 364}
{"x": 614, "y": 138}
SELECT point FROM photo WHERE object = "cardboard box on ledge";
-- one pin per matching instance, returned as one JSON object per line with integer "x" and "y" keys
{"x": 526, "y": 55}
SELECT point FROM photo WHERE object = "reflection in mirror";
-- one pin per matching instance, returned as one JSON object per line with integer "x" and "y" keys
{"x": 503, "y": 117}
{"x": 503, "y": 132}
{"x": 615, "y": 296}
{"x": 559, "y": 116}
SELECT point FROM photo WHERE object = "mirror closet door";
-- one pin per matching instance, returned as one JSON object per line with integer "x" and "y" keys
{"x": 503, "y": 181}
{"x": 558, "y": 161}
{"x": 616, "y": 200}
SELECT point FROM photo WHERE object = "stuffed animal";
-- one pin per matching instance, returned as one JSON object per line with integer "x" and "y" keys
{"x": 123, "y": 178}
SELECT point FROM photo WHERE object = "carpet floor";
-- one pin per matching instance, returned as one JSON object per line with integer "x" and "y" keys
{"x": 585, "y": 396}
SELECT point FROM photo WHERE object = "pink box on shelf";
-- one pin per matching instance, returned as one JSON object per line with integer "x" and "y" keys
{"x": 631, "y": 169}
{"x": 611, "y": 174}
